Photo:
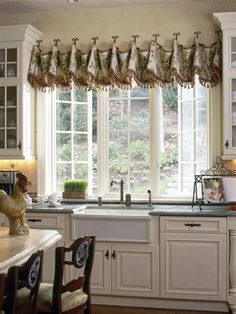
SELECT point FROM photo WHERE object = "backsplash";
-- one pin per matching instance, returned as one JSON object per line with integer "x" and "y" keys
{"x": 28, "y": 167}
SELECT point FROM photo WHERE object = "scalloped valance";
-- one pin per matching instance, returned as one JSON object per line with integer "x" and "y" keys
{"x": 100, "y": 69}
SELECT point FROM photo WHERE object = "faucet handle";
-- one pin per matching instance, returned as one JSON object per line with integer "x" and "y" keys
{"x": 149, "y": 198}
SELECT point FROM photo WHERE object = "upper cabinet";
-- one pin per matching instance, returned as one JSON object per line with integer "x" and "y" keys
{"x": 228, "y": 26}
{"x": 17, "y": 126}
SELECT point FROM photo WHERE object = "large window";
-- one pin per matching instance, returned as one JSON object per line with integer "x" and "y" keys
{"x": 118, "y": 134}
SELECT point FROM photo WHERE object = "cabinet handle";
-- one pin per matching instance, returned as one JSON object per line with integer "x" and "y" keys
{"x": 113, "y": 255}
{"x": 107, "y": 254}
{"x": 227, "y": 144}
{"x": 19, "y": 146}
{"x": 34, "y": 220}
{"x": 192, "y": 225}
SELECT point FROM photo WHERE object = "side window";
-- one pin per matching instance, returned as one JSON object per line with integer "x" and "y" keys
{"x": 184, "y": 139}
{"x": 73, "y": 136}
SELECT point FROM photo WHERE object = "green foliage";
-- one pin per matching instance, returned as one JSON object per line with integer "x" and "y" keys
{"x": 140, "y": 150}
{"x": 75, "y": 185}
{"x": 170, "y": 98}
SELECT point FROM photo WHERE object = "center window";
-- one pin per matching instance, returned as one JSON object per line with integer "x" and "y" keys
{"x": 153, "y": 139}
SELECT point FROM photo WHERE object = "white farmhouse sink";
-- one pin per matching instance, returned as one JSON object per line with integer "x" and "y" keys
{"x": 113, "y": 210}
{"x": 112, "y": 222}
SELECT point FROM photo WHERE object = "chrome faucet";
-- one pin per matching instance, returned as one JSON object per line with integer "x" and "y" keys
{"x": 121, "y": 183}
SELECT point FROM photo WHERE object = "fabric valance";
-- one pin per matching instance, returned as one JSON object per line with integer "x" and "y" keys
{"x": 100, "y": 69}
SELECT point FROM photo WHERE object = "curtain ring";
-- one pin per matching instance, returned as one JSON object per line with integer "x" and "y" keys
{"x": 135, "y": 38}
{"x": 175, "y": 35}
{"x": 74, "y": 40}
{"x": 56, "y": 41}
{"x": 197, "y": 33}
{"x": 155, "y": 37}
{"x": 115, "y": 37}
{"x": 94, "y": 40}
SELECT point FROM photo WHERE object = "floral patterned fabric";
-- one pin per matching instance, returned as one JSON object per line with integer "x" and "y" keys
{"x": 101, "y": 69}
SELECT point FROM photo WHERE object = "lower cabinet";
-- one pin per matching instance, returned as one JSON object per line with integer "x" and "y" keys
{"x": 125, "y": 269}
{"x": 193, "y": 262}
{"x": 48, "y": 221}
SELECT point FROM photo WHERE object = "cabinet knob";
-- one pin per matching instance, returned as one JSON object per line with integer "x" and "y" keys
{"x": 227, "y": 144}
{"x": 107, "y": 254}
{"x": 113, "y": 255}
{"x": 19, "y": 146}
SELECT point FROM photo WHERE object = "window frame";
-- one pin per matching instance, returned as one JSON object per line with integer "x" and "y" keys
{"x": 45, "y": 149}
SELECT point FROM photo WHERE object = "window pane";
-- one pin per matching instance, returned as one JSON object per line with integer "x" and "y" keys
{"x": 2, "y": 96}
{"x": 63, "y": 117}
{"x": 118, "y": 145}
{"x": 187, "y": 146}
{"x": 139, "y": 177}
{"x": 186, "y": 116}
{"x": 80, "y": 147}
{"x": 80, "y": 117}
{"x": 118, "y": 114}
{"x": 2, "y": 55}
{"x": 187, "y": 178}
{"x": 201, "y": 114}
{"x": 11, "y": 96}
{"x": 200, "y": 90}
{"x": 81, "y": 171}
{"x": 118, "y": 93}
{"x": 187, "y": 93}
{"x": 63, "y": 147}
{"x": 80, "y": 96}
{"x": 11, "y": 55}
{"x": 63, "y": 95}
{"x": 139, "y": 92}
{"x": 201, "y": 146}
{"x": 64, "y": 172}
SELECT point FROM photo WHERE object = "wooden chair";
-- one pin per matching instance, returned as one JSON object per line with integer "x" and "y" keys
{"x": 2, "y": 289}
{"x": 73, "y": 296}
{"x": 22, "y": 286}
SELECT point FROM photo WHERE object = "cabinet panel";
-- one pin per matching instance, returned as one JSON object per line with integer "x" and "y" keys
{"x": 193, "y": 224}
{"x": 193, "y": 266}
{"x": 135, "y": 271}
{"x": 101, "y": 273}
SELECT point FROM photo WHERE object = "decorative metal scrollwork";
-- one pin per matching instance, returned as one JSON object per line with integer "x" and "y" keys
{"x": 218, "y": 169}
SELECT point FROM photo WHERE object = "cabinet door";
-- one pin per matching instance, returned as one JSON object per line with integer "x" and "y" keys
{"x": 101, "y": 273}
{"x": 135, "y": 270}
{"x": 193, "y": 266}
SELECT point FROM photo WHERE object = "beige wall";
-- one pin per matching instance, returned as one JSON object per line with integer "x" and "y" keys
{"x": 164, "y": 18}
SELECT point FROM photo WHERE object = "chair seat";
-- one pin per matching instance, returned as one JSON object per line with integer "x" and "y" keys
{"x": 69, "y": 300}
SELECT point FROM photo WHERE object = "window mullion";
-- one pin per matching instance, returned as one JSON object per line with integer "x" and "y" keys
{"x": 129, "y": 138}
{"x": 72, "y": 133}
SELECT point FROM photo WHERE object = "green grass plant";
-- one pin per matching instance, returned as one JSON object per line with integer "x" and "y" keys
{"x": 75, "y": 185}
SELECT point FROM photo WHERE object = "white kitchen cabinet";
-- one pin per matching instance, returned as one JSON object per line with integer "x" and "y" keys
{"x": 17, "y": 132}
{"x": 228, "y": 25}
{"x": 193, "y": 258}
{"x": 125, "y": 269}
{"x": 48, "y": 221}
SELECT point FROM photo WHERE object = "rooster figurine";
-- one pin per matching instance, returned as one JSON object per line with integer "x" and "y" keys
{"x": 14, "y": 206}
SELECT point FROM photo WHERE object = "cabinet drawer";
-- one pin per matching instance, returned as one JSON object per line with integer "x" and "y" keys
{"x": 46, "y": 221}
{"x": 193, "y": 224}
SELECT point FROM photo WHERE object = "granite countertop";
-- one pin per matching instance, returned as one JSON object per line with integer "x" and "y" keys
{"x": 157, "y": 210}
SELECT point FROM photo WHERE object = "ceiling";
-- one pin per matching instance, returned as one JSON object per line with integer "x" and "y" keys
{"x": 24, "y": 6}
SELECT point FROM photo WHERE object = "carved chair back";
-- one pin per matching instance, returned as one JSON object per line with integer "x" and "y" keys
{"x": 79, "y": 255}
{"x": 22, "y": 286}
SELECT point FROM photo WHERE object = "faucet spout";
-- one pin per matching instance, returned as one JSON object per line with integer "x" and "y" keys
{"x": 121, "y": 183}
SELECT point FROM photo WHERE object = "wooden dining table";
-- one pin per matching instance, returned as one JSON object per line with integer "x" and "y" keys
{"x": 16, "y": 249}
